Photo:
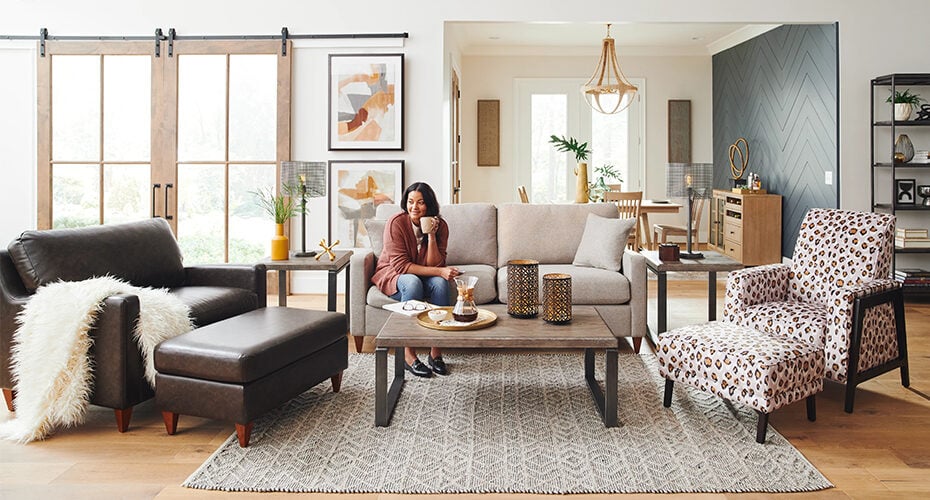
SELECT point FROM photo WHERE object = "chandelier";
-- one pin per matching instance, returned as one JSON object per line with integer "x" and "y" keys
{"x": 608, "y": 91}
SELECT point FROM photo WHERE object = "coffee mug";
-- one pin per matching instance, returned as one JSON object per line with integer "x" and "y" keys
{"x": 427, "y": 224}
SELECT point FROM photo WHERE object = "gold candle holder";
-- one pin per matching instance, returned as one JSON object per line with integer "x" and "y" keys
{"x": 557, "y": 298}
{"x": 523, "y": 288}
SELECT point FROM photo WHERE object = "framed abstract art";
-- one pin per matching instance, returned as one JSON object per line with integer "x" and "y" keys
{"x": 355, "y": 191}
{"x": 366, "y": 102}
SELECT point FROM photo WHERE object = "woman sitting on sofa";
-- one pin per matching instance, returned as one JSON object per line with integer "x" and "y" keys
{"x": 412, "y": 265}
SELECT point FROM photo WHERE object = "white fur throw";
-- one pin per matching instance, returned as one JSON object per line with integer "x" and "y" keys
{"x": 51, "y": 369}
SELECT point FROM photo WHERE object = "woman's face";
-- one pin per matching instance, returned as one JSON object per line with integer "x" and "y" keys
{"x": 416, "y": 207}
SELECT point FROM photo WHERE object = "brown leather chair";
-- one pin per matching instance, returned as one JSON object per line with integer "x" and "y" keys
{"x": 143, "y": 253}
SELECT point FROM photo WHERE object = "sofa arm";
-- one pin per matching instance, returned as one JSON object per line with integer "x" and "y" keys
{"x": 753, "y": 286}
{"x": 362, "y": 268}
{"x": 251, "y": 278}
{"x": 119, "y": 374}
{"x": 878, "y": 337}
{"x": 634, "y": 268}
{"x": 13, "y": 297}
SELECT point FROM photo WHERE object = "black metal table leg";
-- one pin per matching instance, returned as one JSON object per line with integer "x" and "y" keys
{"x": 386, "y": 400}
{"x": 331, "y": 292}
{"x": 606, "y": 401}
{"x": 282, "y": 287}
{"x": 662, "y": 302}
{"x": 711, "y": 295}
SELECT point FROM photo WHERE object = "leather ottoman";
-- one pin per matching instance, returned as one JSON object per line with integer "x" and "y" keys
{"x": 239, "y": 368}
{"x": 738, "y": 363}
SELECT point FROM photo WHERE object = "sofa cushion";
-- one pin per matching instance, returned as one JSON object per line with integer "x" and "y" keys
{"x": 472, "y": 233}
{"x": 375, "y": 229}
{"x": 209, "y": 304}
{"x": 603, "y": 242}
{"x": 144, "y": 253}
{"x": 590, "y": 285}
{"x": 547, "y": 233}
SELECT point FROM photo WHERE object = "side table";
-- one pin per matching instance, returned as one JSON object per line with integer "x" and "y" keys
{"x": 333, "y": 268}
{"x": 712, "y": 263}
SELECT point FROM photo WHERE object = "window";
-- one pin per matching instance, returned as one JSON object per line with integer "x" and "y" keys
{"x": 547, "y": 107}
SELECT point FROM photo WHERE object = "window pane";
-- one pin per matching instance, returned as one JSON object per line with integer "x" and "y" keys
{"x": 127, "y": 107}
{"x": 253, "y": 87}
{"x": 548, "y": 117}
{"x": 201, "y": 108}
{"x": 76, "y": 108}
{"x": 127, "y": 194}
{"x": 75, "y": 195}
{"x": 201, "y": 216}
{"x": 610, "y": 145}
{"x": 250, "y": 227}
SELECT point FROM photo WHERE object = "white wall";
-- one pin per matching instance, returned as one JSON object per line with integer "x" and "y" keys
{"x": 669, "y": 77}
{"x": 17, "y": 140}
{"x": 863, "y": 55}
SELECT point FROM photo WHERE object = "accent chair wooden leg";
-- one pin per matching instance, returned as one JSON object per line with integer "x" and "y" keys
{"x": 359, "y": 340}
{"x": 762, "y": 426}
{"x": 9, "y": 395}
{"x": 171, "y": 421}
{"x": 244, "y": 432}
{"x": 637, "y": 343}
{"x": 123, "y": 416}
{"x": 667, "y": 400}
{"x": 337, "y": 381}
{"x": 850, "y": 394}
{"x": 811, "y": 408}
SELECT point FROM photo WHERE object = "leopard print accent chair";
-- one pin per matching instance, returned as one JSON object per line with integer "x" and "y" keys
{"x": 840, "y": 255}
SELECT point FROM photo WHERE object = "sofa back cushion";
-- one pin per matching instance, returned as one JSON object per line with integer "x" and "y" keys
{"x": 144, "y": 253}
{"x": 548, "y": 233}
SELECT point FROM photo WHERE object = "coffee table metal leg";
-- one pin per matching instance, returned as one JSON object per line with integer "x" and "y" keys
{"x": 711, "y": 295}
{"x": 662, "y": 302}
{"x": 331, "y": 292}
{"x": 606, "y": 402}
{"x": 386, "y": 400}
{"x": 282, "y": 288}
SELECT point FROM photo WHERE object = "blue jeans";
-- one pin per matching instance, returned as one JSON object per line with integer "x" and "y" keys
{"x": 433, "y": 289}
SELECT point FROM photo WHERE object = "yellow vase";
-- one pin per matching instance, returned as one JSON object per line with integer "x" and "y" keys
{"x": 279, "y": 245}
{"x": 581, "y": 183}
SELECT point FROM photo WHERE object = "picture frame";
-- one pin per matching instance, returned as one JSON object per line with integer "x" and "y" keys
{"x": 366, "y": 102}
{"x": 356, "y": 188}
{"x": 905, "y": 191}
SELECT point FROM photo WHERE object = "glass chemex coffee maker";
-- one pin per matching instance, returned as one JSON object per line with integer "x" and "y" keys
{"x": 465, "y": 309}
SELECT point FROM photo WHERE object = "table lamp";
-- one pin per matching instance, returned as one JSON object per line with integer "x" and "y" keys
{"x": 309, "y": 180}
{"x": 691, "y": 181}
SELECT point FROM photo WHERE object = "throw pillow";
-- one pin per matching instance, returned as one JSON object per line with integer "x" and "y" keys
{"x": 375, "y": 229}
{"x": 603, "y": 242}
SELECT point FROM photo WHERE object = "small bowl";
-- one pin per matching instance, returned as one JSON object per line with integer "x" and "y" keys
{"x": 437, "y": 315}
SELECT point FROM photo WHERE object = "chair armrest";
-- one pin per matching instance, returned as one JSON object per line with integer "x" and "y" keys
{"x": 634, "y": 268}
{"x": 119, "y": 374}
{"x": 878, "y": 335}
{"x": 362, "y": 268}
{"x": 753, "y": 286}
{"x": 13, "y": 297}
{"x": 251, "y": 278}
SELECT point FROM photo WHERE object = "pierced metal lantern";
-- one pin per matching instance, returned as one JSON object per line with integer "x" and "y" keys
{"x": 557, "y": 298}
{"x": 523, "y": 288}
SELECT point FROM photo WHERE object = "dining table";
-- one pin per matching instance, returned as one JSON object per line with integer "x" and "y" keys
{"x": 653, "y": 207}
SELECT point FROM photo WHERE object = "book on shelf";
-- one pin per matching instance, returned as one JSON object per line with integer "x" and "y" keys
{"x": 912, "y": 272}
{"x": 907, "y": 233}
{"x": 912, "y": 242}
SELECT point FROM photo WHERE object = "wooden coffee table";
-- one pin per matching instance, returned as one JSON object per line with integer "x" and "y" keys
{"x": 587, "y": 331}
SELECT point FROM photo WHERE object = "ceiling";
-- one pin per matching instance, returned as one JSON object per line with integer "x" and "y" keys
{"x": 484, "y": 38}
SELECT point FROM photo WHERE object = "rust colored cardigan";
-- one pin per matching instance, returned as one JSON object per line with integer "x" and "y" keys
{"x": 400, "y": 250}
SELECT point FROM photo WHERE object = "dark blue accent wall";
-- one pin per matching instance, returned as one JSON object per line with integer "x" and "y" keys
{"x": 779, "y": 91}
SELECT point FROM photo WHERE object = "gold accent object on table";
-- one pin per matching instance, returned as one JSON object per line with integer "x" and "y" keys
{"x": 557, "y": 298}
{"x": 523, "y": 288}
{"x": 327, "y": 249}
{"x": 485, "y": 319}
{"x": 737, "y": 172}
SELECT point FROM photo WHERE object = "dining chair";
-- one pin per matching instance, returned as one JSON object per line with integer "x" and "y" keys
{"x": 521, "y": 190}
{"x": 661, "y": 232}
{"x": 628, "y": 204}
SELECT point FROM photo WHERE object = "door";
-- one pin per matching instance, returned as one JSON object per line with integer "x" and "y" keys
{"x": 455, "y": 101}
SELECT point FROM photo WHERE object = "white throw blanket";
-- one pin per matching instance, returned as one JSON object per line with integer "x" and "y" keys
{"x": 51, "y": 369}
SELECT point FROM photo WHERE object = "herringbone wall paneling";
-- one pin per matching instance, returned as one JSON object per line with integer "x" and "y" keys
{"x": 779, "y": 91}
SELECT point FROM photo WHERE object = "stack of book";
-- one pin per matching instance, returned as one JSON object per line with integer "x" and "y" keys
{"x": 913, "y": 278}
{"x": 911, "y": 238}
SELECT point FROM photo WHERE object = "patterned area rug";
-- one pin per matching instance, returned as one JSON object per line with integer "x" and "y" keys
{"x": 508, "y": 423}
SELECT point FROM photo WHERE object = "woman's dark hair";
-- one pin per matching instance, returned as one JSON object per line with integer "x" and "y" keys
{"x": 429, "y": 197}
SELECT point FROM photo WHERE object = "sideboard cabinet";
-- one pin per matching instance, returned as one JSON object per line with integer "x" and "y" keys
{"x": 746, "y": 227}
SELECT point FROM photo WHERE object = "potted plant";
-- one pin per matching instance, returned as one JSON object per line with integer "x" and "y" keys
{"x": 580, "y": 150}
{"x": 904, "y": 103}
{"x": 281, "y": 207}
{"x": 597, "y": 188}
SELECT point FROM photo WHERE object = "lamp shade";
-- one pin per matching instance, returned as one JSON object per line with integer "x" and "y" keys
{"x": 608, "y": 91}
{"x": 698, "y": 176}
{"x": 309, "y": 175}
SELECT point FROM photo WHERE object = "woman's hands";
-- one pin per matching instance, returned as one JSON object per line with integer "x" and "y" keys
{"x": 449, "y": 273}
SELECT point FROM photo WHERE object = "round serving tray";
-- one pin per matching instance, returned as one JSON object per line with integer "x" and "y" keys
{"x": 485, "y": 319}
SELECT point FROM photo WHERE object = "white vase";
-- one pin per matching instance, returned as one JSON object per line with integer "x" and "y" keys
{"x": 902, "y": 111}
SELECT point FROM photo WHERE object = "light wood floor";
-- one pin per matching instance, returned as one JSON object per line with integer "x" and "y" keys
{"x": 880, "y": 451}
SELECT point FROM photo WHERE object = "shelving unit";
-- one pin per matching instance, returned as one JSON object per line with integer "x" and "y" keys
{"x": 746, "y": 227}
{"x": 886, "y": 171}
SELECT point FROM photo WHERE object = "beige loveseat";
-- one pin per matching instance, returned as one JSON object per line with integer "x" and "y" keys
{"x": 483, "y": 237}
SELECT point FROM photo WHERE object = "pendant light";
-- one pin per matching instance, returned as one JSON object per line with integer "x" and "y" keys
{"x": 608, "y": 91}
